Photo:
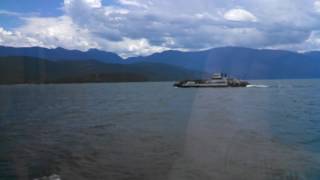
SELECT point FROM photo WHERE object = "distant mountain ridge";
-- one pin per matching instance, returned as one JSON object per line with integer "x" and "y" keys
{"x": 245, "y": 63}
{"x": 61, "y": 54}
{"x": 20, "y": 69}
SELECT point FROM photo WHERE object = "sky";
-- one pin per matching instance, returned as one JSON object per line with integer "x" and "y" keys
{"x": 143, "y": 27}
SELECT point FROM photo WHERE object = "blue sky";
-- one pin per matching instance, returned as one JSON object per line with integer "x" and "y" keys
{"x": 44, "y": 7}
{"x": 11, "y": 8}
{"x": 141, "y": 27}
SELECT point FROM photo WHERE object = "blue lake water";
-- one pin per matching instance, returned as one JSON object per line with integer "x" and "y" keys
{"x": 155, "y": 131}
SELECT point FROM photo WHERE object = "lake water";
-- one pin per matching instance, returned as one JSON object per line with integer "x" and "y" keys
{"x": 158, "y": 132}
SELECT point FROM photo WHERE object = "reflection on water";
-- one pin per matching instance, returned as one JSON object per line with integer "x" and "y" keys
{"x": 155, "y": 131}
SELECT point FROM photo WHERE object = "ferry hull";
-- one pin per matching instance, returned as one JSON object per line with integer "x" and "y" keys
{"x": 212, "y": 83}
{"x": 200, "y": 86}
{"x": 208, "y": 86}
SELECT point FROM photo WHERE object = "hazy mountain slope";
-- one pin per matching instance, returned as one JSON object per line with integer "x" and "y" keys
{"x": 237, "y": 61}
{"x": 242, "y": 62}
{"x": 61, "y": 54}
{"x": 34, "y": 70}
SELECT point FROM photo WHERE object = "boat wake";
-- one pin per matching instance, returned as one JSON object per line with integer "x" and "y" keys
{"x": 256, "y": 86}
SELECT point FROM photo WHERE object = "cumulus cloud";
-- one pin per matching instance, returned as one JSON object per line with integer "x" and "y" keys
{"x": 90, "y": 3}
{"x": 317, "y": 6}
{"x": 17, "y": 39}
{"x": 313, "y": 42}
{"x": 134, "y": 47}
{"x": 141, "y": 27}
{"x": 134, "y": 3}
{"x": 60, "y": 31}
{"x": 239, "y": 15}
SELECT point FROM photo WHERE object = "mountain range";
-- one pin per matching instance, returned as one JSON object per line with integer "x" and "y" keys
{"x": 22, "y": 69}
{"x": 62, "y": 65}
{"x": 60, "y": 54}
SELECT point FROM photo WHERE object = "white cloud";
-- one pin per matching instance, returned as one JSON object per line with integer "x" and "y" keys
{"x": 90, "y": 3}
{"x": 141, "y": 27}
{"x": 17, "y": 39}
{"x": 17, "y": 14}
{"x": 50, "y": 33}
{"x": 317, "y": 6}
{"x": 60, "y": 31}
{"x": 134, "y": 3}
{"x": 239, "y": 15}
{"x": 94, "y": 3}
{"x": 9, "y": 13}
{"x": 109, "y": 10}
{"x": 312, "y": 43}
{"x": 134, "y": 47}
